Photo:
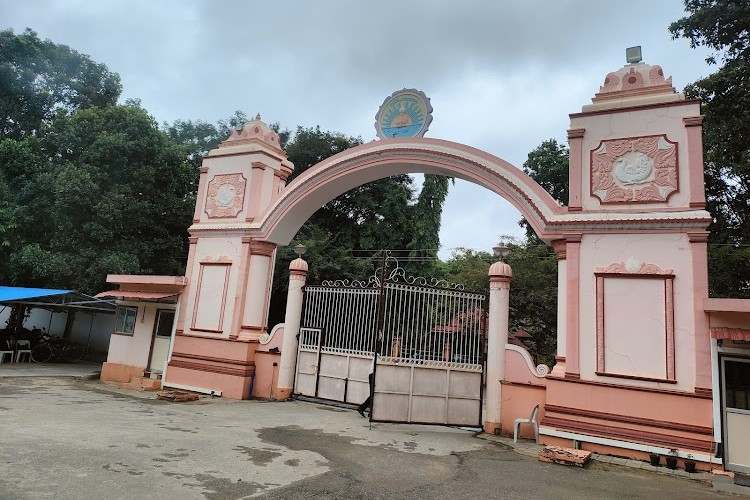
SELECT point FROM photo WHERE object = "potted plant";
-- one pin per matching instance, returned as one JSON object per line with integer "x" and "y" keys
{"x": 654, "y": 458}
{"x": 672, "y": 459}
{"x": 689, "y": 464}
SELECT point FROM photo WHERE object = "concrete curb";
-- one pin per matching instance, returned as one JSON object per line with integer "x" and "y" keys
{"x": 531, "y": 449}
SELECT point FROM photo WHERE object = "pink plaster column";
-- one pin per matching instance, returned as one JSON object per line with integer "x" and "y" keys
{"x": 200, "y": 198}
{"x": 297, "y": 275}
{"x": 258, "y": 290}
{"x": 702, "y": 336}
{"x": 497, "y": 336}
{"x": 575, "y": 174}
{"x": 560, "y": 248}
{"x": 182, "y": 307}
{"x": 573, "y": 259}
{"x": 256, "y": 190}
{"x": 241, "y": 291}
{"x": 694, "y": 127}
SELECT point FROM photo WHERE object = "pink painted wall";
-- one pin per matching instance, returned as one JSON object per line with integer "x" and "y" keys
{"x": 635, "y": 344}
{"x": 634, "y": 123}
{"x": 133, "y": 350}
{"x": 518, "y": 401}
{"x": 523, "y": 388}
{"x": 636, "y": 329}
{"x": 266, "y": 375}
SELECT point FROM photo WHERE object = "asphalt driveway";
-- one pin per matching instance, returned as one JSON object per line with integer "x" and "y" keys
{"x": 69, "y": 438}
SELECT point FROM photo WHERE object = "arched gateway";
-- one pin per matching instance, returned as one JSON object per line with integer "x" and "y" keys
{"x": 633, "y": 369}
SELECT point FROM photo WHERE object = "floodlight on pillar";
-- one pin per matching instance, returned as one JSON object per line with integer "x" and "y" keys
{"x": 501, "y": 251}
{"x": 633, "y": 54}
{"x": 300, "y": 250}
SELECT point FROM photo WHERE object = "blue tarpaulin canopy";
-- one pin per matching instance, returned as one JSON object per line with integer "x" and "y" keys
{"x": 50, "y": 298}
{"x": 11, "y": 293}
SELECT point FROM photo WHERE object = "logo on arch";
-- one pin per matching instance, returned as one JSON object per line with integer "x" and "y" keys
{"x": 406, "y": 113}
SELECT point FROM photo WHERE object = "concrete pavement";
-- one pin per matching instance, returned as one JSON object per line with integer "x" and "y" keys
{"x": 82, "y": 369}
{"x": 67, "y": 438}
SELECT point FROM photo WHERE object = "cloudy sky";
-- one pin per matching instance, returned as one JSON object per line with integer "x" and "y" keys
{"x": 502, "y": 75}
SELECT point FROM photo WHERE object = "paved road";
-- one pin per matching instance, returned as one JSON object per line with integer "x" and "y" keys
{"x": 76, "y": 439}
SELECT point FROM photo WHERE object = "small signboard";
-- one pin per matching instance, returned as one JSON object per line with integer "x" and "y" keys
{"x": 406, "y": 113}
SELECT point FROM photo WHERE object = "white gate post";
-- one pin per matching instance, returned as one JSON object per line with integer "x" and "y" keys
{"x": 297, "y": 274}
{"x": 497, "y": 336}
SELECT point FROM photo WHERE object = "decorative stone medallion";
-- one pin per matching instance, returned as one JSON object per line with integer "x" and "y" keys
{"x": 226, "y": 194}
{"x": 634, "y": 170}
{"x": 406, "y": 113}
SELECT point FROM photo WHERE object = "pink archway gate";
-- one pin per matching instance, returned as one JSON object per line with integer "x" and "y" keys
{"x": 378, "y": 159}
{"x": 633, "y": 352}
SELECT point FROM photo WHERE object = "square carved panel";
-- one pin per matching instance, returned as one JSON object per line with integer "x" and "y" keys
{"x": 225, "y": 196}
{"x": 634, "y": 170}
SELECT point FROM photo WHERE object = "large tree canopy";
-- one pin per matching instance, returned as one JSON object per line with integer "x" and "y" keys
{"x": 724, "y": 27}
{"x": 343, "y": 235}
{"x": 103, "y": 191}
{"x": 39, "y": 78}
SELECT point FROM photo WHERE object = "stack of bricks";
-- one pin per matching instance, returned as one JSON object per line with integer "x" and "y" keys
{"x": 564, "y": 456}
{"x": 177, "y": 396}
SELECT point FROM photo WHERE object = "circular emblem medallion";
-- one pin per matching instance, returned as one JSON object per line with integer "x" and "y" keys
{"x": 406, "y": 113}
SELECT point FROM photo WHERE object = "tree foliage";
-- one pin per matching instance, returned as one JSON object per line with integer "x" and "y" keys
{"x": 343, "y": 236}
{"x": 533, "y": 290}
{"x": 533, "y": 297}
{"x": 87, "y": 187}
{"x": 548, "y": 165}
{"x": 103, "y": 191}
{"x": 39, "y": 78}
{"x": 724, "y": 27}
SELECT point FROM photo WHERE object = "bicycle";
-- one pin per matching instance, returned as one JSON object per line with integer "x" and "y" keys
{"x": 54, "y": 348}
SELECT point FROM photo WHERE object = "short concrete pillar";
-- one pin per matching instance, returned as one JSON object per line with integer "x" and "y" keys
{"x": 497, "y": 336}
{"x": 297, "y": 275}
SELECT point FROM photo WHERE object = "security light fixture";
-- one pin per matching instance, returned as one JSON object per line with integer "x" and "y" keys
{"x": 239, "y": 125}
{"x": 501, "y": 251}
{"x": 300, "y": 250}
{"x": 633, "y": 54}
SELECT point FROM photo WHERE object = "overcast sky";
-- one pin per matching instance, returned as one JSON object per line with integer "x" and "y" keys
{"x": 502, "y": 75}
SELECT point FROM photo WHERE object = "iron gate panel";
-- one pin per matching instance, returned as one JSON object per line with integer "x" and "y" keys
{"x": 347, "y": 319}
{"x": 430, "y": 363}
{"x": 430, "y": 352}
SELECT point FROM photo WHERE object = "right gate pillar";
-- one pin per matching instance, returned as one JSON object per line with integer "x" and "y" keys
{"x": 497, "y": 336}
{"x": 293, "y": 317}
{"x": 633, "y": 367}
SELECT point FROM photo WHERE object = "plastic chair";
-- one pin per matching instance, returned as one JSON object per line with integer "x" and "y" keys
{"x": 531, "y": 421}
{"x": 23, "y": 348}
{"x": 7, "y": 350}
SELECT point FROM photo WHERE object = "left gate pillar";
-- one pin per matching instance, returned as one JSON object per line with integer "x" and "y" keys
{"x": 497, "y": 337}
{"x": 297, "y": 275}
{"x": 224, "y": 308}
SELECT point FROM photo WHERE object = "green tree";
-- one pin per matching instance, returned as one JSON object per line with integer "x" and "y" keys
{"x": 722, "y": 26}
{"x": 533, "y": 297}
{"x": 548, "y": 165}
{"x": 468, "y": 268}
{"x": 39, "y": 78}
{"x": 103, "y": 191}
{"x": 427, "y": 216}
{"x": 343, "y": 235}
